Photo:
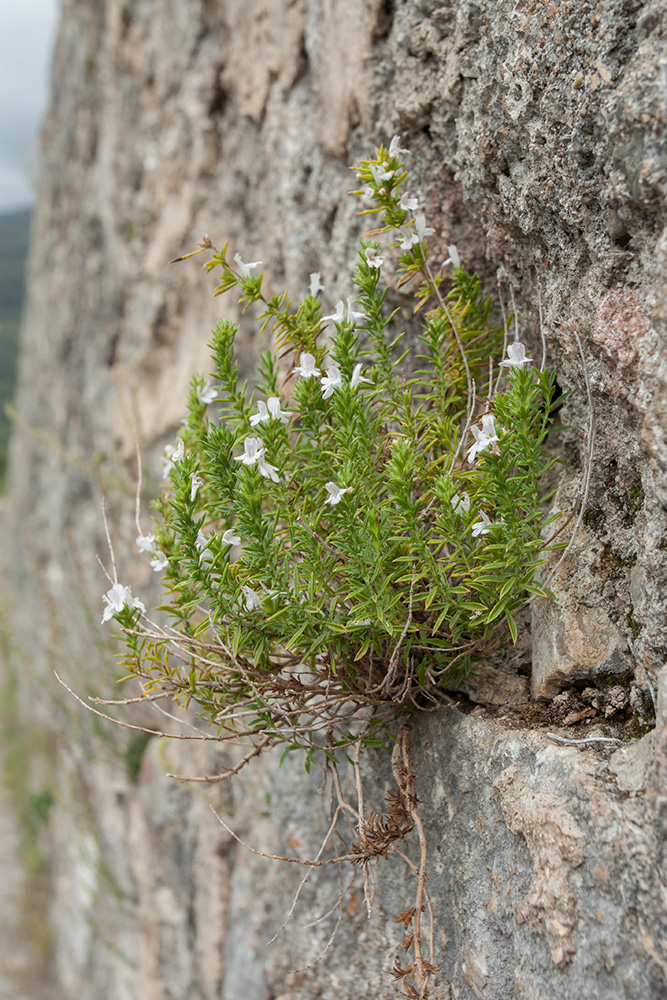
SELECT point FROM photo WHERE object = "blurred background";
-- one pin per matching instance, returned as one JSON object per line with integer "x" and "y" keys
{"x": 27, "y": 30}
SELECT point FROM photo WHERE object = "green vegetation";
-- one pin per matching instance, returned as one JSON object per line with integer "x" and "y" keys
{"x": 14, "y": 235}
{"x": 344, "y": 541}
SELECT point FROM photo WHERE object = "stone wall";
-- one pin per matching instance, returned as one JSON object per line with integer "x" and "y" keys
{"x": 539, "y": 147}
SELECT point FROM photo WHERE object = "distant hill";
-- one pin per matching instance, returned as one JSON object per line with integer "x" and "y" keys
{"x": 14, "y": 237}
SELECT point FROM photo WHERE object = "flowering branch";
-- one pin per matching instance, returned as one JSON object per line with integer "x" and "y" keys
{"x": 340, "y": 542}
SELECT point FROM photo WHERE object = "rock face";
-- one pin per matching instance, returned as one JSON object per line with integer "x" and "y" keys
{"x": 539, "y": 147}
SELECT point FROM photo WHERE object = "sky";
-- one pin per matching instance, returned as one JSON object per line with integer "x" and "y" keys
{"x": 27, "y": 33}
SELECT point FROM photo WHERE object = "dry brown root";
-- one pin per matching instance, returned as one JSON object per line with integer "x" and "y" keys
{"x": 416, "y": 976}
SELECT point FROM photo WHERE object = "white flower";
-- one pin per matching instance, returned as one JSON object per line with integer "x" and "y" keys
{"x": 332, "y": 380}
{"x": 394, "y": 148}
{"x": 516, "y": 357}
{"x": 352, "y": 316}
{"x": 252, "y": 598}
{"x": 252, "y": 450}
{"x": 408, "y": 237}
{"x": 338, "y": 315}
{"x": 461, "y": 503}
{"x": 167, "y": 462}
{"x": 197, "y": 481}
{"x": 371, "y": 255}
{"x": 261, "y": 417}
{"x": 146, "y": 543}
{"x": 481, "y": 527}
{"x": 453, "y": 258}
{"x": 315, "y": 283}
{"x": 172, "y": 455}
{"x": 357, "y": 377}
{"x": 117, "y": 598}
{"x": 273, "y": 402}
{"x": 422, "y": 229}
{"x": 229, "y": 538}
{"x": 206, "y": 393}
{"x": 306, "y": 368}
{"x": 159, "y": 562}
{"x": 489, "y": 427}
{"x": 201, "y": 544}
{"x": 267, "y": 470}
{"x": 274, "y": 411}
{"x": 380, "y": 173}
{"x": 484, "y": 438}
{"x": 245, "y": 269}
{"x": 335, "y": 494}
{"x": 407, "y": 203}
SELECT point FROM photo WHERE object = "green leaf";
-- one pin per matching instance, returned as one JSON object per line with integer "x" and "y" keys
{"x": 512, "y": 627}
{"x": 508, "y": 586}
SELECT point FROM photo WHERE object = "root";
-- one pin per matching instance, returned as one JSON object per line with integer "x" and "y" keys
{"x": 416, "y": 976}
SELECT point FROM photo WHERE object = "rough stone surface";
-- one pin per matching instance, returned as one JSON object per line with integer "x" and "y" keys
{"x": 574, "y": 636}
{"x": 539, "y": 146}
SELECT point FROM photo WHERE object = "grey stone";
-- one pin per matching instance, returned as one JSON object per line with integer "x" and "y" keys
{"x": 631, "y": 764}
{"x": 538, "y": 145}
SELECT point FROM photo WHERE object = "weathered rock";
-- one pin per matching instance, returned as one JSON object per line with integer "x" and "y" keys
{"x": 631, "y": 764}
{"x": 539, "y": 147}
{"x": 574, "y": 636}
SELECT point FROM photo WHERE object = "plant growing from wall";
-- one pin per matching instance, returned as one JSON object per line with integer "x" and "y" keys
{"x": 343, "y": 539}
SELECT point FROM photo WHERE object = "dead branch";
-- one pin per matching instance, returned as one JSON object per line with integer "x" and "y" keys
{"x": 279, "y": 857}
{"x": 128, "y": 725}
{"x": 213, "y": 778}
{"x": 581, "y": 743}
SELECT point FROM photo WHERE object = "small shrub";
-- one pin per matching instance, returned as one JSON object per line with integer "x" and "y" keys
{"x": 342, "y": 539}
